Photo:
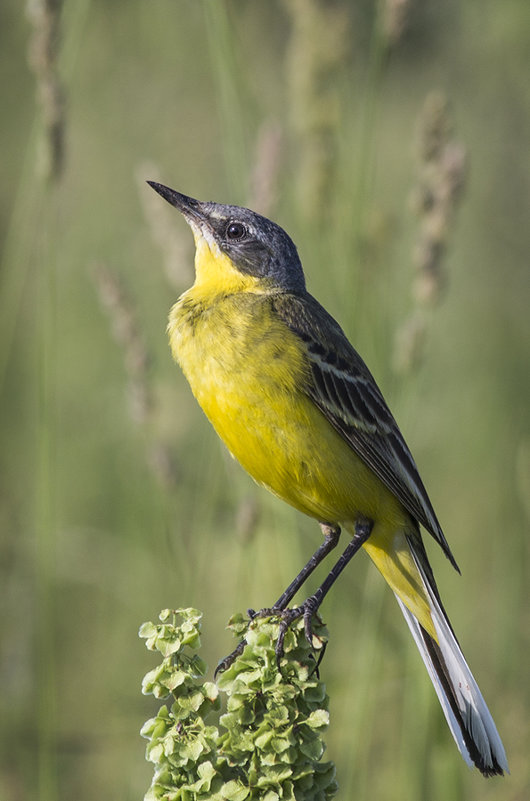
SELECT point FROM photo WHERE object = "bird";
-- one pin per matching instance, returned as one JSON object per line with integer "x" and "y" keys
{"x": 297, "y": 407}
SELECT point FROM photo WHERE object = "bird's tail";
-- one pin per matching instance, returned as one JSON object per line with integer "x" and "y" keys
{"x": 464, "y": 707}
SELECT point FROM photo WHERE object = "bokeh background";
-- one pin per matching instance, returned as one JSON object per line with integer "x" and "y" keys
{"x": 391, "y": 139}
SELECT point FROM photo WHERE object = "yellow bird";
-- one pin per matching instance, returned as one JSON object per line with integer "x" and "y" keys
{"x": 298, "y": 408}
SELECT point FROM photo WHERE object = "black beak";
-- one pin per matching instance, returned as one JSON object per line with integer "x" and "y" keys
{"x": 188, "y": 206}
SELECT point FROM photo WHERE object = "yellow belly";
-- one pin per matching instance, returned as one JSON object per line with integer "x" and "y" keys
{"x": 248, "y": 380}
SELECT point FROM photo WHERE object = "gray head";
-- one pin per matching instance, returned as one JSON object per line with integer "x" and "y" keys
{"x": 255, "y": 245}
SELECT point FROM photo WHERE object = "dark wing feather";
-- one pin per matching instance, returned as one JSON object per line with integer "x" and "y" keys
{"x": 342, "y": 387}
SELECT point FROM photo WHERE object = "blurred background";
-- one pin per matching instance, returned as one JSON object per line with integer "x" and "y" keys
{"x": 391, "y": 139}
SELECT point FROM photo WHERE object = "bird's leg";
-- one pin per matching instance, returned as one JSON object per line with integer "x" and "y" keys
{"x": 331, "y": 533}
{"x": 363, "y": 529}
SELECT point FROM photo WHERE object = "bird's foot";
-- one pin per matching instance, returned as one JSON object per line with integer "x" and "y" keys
{"x": 286, "y": 617}
{"x": 229, "y": 660}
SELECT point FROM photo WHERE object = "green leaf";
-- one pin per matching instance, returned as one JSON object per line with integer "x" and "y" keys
{"x": 318, "y": 718}
{"x": 147, "y": 630}
{"x": 210, "y": 690}
{"x": 234, "y": 791}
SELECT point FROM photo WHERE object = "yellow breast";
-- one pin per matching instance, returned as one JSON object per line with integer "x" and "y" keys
{"x": 243, "y": 369}
{"x": 248, "y": 371}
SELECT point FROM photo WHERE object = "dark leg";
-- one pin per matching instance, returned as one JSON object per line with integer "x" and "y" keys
{"x": 363, "y": 529}
{"x": 331, "y": 537}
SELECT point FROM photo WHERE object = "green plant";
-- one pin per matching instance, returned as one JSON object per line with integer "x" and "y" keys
{"x": 266, "y": 745}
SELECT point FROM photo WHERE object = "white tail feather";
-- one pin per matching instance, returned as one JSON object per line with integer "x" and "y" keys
{"x": 466, "y": 713}
{"x": 414, "y": 626}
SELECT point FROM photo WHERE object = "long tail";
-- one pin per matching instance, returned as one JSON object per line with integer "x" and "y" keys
{"x": 407, "y": 570}
{"x": 464, "y": 707}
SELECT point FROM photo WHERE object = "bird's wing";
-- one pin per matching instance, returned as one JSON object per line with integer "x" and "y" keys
{"x": 344, "y": 390}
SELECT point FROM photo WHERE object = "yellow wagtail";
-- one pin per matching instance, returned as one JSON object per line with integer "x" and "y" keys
{"x": 298, "y": 408}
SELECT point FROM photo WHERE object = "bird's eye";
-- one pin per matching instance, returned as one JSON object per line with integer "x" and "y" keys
{"x": 235, "y": 230}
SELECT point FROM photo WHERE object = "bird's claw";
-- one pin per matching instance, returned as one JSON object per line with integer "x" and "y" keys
{"x": 286, "y": 618}
{"x": 229, "y": 660}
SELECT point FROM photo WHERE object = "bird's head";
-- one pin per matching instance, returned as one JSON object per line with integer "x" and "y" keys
{"x": 237, "y": 248}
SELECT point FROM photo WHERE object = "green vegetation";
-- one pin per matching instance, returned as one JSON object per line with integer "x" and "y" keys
{"x": 268, "y": 742}
{"x": 395, "y": 152}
